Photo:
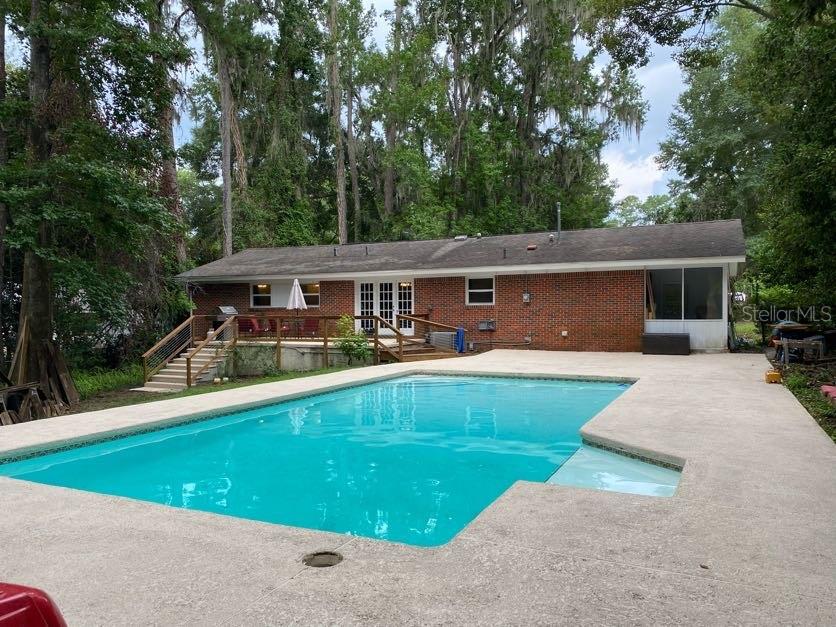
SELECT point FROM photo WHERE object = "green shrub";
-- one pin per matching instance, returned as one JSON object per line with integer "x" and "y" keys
{"x": 805, "y": 386}
{"x": 352, "y": 343}
{"x": 98, "y": 380}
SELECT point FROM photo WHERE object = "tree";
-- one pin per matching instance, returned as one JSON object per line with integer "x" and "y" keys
{"x": 357, "y": 26}
{"x": 626, "y": 28}
{"x": 719, "y": 141}
{"x": 218, "y": 35}
{"x": 335, "y": 104}
{"x": 77, "y": 182}
{"x": 631, "y": 211}
{"x": 158, "y": 22}
{"x": 752, "y": 137}
{"x": 793, "y": 83}
{"x": 390, "y": 120}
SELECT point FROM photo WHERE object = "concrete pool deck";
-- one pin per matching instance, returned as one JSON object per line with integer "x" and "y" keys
{"x": 749, "y": 536}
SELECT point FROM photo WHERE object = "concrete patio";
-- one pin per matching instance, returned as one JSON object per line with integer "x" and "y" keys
{"x": 749, "y": 536}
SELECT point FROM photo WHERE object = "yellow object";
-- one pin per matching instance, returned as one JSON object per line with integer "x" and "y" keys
{"x": 773, "y": 376}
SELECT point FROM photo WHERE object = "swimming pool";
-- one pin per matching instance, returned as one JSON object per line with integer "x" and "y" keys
{"x": 412, "y": 459}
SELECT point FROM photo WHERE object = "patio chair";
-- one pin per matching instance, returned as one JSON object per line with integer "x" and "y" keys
{"x": 310, "y": 327}
{"x": 262, "y": 327}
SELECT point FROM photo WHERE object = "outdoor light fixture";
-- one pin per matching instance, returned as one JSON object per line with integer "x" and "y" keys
{"x": 526, "y": 297}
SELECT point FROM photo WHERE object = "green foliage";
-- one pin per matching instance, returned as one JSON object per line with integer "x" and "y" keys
{"x": 98, "y": 380}
{"x": 488, "y": 141}
{"x": 753, "y": 137}
{"x": 804, "y": 383}
{"x": 94, "y": 193}
{"x": 630, "y": 211}
{"x": 352, "y": 343}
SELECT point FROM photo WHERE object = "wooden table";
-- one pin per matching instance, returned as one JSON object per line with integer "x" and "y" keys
{"x": 811, "y": 350}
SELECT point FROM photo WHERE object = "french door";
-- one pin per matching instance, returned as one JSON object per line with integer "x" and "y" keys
{"x": 386, "y": 299}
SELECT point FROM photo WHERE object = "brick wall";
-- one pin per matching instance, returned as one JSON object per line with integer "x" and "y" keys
{"x": 335, "y": 298}
{"x": 601, "y": 311}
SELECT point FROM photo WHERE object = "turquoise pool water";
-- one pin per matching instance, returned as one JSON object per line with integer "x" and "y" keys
{"x": 410, "y": 460}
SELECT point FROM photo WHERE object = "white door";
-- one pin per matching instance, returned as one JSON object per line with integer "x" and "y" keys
{"x": 385, "y": 298}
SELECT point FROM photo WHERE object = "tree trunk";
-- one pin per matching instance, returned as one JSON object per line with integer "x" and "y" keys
{"x": 168, "y": 187}
{"x": 209, "y": 24}
{"x": 336, "y": 123}
{"x": 36, "y": 297}
{"x": 352, "y": 158}
{"x": 225, "y": 88}
{"x": 4, "y": 213}
{"x": 391, "y": 125}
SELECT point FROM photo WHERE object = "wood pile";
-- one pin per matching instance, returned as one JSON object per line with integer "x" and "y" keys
{"x": 22, "y": 399}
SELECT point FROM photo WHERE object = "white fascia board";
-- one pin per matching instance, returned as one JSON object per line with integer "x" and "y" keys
{"x": 549, "y": 268}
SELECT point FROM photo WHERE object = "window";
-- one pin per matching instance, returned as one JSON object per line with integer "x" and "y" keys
{"x": 684, "y": 294}
{"x": 311, "y": 293}
{"x": 664, "y": 294}
{"x": 261, "y": 295}
{"x": 480, "y": 291}
{"x": 405, "y": 303}
{"x": 367, "y": 305}
{"x": 703, "y": 293}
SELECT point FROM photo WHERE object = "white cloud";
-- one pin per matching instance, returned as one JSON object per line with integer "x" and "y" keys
{"x": 632, "y": 176}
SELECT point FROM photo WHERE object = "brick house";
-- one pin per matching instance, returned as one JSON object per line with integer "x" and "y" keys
{"x": 592, "y": 289}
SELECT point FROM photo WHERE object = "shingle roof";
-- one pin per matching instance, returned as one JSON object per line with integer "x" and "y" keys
{"x": 721, "y": 238}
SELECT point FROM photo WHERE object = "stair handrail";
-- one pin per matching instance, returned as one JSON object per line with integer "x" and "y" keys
{"x": 226, "y": 346}
{"x": 379, "y": 343}
{"x": 431, "y": 323}
{"x": 149, "y": 369}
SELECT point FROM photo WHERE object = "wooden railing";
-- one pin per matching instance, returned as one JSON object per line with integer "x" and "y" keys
{"x": 278, "y": 329}
{"x": 316, "y": 328}
{"x": 422, "y": 320}
{"x": 178, "y": 340}
{"x": 221, "y": 341}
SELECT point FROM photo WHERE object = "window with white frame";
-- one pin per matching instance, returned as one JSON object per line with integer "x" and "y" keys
{"x": 311, "y": 293}
{"x": 261, "y": 294}
{"x": 480, "y": 290}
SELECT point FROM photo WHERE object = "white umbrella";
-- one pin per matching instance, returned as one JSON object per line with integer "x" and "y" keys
{"x": 297, "y": 298}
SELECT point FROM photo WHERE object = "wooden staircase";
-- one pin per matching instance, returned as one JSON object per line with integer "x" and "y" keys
{"x": 172, "y": 377}
{"x": 180, "y": 360}
{"x": 415, "y": 352}
{"x": 409, "y": 348}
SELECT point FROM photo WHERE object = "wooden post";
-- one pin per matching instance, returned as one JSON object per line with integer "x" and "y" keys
{"x": 400, "y": 346}
{"x": 278, "y": 343}
{"x": 324, "y": 343}
{"x": 188, "y": 372}
{"x": 145, "y": 369}
{"x": 376, "y": 345}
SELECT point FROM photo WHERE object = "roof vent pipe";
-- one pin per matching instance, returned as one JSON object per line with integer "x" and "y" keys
{"x": 367, "y": 250}
{"x": 335, "y": 251}
{"x": 460, "y": 238}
